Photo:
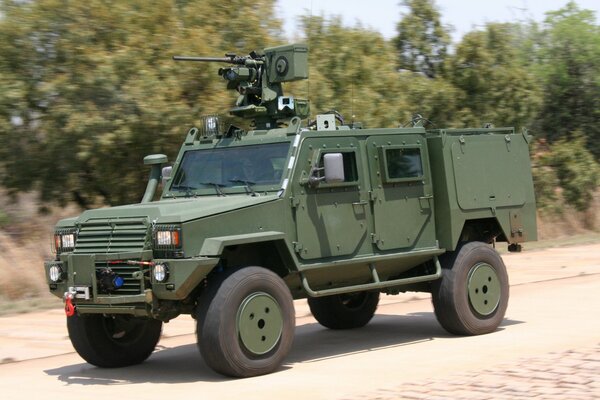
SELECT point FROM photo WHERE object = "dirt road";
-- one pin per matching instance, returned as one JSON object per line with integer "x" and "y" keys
{"x": 548, "y": 346}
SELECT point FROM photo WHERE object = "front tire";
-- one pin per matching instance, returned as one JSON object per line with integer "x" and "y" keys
{"x": 344, "y": 311}
{"x": 113, "y": 341}
{"x": 245, "y": 324}
{"x": 472, "y": 295}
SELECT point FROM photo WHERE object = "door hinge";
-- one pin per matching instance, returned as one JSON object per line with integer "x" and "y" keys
{"x": 372, "y": 195}
{"x": 294, "y": 202}
{"x": 297, "y": 247}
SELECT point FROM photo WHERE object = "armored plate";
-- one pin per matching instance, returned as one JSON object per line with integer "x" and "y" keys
{"x": 490, "y": 171}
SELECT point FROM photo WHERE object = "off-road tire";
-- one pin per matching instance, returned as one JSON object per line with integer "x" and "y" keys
{"x": 344, "y": 311}
{"x": 473, "y": 277}
{"x": 245, "y": 322}
{"x": 109, "y": 342}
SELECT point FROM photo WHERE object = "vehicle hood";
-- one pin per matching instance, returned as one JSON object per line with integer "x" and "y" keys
{"x": 178, "y": 210}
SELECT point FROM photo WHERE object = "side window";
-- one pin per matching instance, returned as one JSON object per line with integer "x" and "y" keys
{"x": 402, "y": 164}
{"x": 350, "y": 170}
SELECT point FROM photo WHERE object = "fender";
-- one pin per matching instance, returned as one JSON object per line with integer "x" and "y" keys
{"x": 214, "y": 246}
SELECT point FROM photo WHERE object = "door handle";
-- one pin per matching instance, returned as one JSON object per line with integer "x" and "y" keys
{"x": 360, "y": 203}
{"x": 426, "y": 197}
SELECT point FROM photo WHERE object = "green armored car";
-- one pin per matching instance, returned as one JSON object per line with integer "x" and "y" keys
{"x": 249, "y": 220}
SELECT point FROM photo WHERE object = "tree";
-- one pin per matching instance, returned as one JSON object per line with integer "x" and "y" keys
{"x": 567, "y": 64}
{"x": 88, "y": 89}
{"x": 422, "y": 40}
{"x": 351, "y": 69}
{"x": 577, "y": 171}
{"x": 497, "y": 87}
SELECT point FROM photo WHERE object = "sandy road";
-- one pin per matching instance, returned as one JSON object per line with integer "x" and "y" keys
{"x": 553, "y": 311}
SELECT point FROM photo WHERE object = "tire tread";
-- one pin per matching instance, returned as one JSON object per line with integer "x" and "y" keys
{"x": 449, "y": 294}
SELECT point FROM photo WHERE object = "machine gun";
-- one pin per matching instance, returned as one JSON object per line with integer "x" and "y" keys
{"x": 258, "y": 79}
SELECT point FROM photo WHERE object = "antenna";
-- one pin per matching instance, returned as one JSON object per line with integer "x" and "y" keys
{"x": 352, "y": 100}
{"x": 309, "y": 46}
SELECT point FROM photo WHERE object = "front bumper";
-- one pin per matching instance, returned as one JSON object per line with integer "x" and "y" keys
{"x": 79, "y": 279}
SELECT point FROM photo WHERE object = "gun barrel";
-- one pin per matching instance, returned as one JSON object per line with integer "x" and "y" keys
{"x": 204, "y": 59}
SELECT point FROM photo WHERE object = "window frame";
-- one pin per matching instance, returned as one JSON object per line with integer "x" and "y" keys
{"x": 384, "y": 163}
{"x": 319, "y": 158}
{"x": 234, "y": 188}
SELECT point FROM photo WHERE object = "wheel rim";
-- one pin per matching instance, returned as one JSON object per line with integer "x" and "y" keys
{"x": 484, "y": 289}
{"x": 259, "y": 323}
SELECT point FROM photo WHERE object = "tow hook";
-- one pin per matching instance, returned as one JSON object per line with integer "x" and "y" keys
{"x": 69, "y": 307}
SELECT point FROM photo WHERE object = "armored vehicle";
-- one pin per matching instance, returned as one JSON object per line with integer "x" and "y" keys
{"x": 249, "y": 220}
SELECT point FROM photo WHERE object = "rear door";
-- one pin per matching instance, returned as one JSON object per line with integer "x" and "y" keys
{"x": 401, "y": 192}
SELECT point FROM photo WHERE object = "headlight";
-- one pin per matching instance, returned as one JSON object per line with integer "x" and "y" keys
{"x": 167, "y": 237}
{"x": 161, "y": 272}
{"x": 55, "y": 273}
{"x": 64, "y": 240}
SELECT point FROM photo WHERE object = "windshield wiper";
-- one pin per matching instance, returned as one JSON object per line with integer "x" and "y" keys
{"x": 247, "y": 185}
{"x": 188, "y": 189}
{"x": 217, "y": 187}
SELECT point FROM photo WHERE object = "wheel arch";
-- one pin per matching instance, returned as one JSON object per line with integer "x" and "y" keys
{"x": 484, "y": 230}
{"x": 266, "y": 249}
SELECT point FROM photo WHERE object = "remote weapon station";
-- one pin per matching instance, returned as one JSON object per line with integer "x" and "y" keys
{"x": 258, "y": 80}
{"x": 249, "y": 220}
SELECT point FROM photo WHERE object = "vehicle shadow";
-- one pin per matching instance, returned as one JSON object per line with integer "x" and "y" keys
{"x": 312, "y": 343}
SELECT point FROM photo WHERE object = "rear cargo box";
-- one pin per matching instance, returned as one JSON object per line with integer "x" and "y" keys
{"x": 482, "y": 174}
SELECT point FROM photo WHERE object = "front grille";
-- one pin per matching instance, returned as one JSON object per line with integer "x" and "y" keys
{"x": 131, "y": 286}
{"x": 112, "y": 236}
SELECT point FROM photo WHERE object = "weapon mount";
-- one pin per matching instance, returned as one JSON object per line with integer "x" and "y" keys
{"x": 258, "y": 78}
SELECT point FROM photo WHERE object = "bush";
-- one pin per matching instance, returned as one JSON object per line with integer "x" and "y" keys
{"x": 545, "y": 181}
{"x": 576, "y": 169}
{"x": 4, "y": 219}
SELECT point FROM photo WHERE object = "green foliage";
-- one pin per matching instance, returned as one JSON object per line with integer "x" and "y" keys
{"x": 351, "y": 70}
{"x": 545, "y": 181}
{"x": 577, "y": 171}
{"x": 568, "y": 67}
{"x": 5, "y": 219}
{"x": 496, "y": 85}
{"x": 435, "y": 99}
{"x": 422, "y": 40}
{"x": 87, "y": 89}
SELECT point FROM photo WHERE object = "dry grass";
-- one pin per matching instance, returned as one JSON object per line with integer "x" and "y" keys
{"x": 569, "y": 223}
{"x": 24, "y": 245}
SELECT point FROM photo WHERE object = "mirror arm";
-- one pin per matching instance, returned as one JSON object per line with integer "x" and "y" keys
{"x": 313, "y": 180}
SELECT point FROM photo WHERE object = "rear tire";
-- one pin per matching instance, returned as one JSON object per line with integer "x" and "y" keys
{"x": 245, "y": 323}
{"x": 111, "y": 342}
{"x": 472, "y": 295}
{"x": 344, "y": 311}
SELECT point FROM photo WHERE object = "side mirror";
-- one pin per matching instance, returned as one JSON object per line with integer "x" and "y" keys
{"x": 332, "y": 171}
{"x": 334, "y": 167}
{"x": 166, "y": 174}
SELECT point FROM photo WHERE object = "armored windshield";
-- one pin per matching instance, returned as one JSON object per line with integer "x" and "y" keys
{"x": 241, "y": 166}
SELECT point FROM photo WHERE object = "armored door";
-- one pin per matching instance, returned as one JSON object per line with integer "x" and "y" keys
{"x": 332, "y": 219}
{"x": 401, "y": 192}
